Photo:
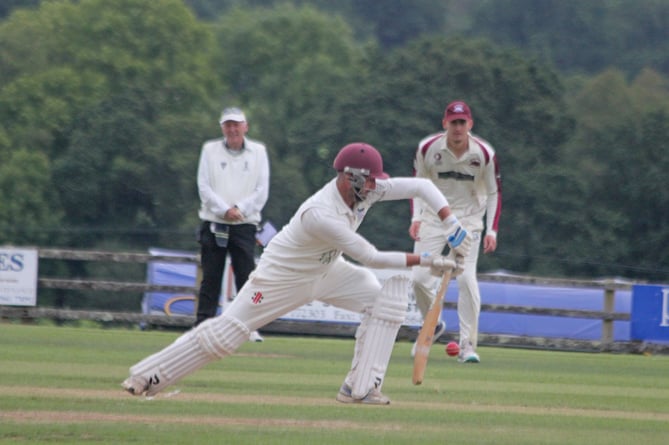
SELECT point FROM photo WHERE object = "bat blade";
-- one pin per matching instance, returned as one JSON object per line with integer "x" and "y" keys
{"x": 426, "y": 334}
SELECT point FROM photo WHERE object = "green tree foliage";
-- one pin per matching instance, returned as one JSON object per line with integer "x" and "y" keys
{"x": 293, "y": 70}
{"x": 577, "y": 35}
{"x": 638, "y": 185}
{"x": 104, "y": 107}
{"x": 7, "y": 6}
{"x": 517, "y": 105}
{"x": 392, "y": 22}
{"x": 396, "y": 22}
{"x": 620, "y": 147}
{"x": 99, "y": 94}
{"x": 28, "y": 210}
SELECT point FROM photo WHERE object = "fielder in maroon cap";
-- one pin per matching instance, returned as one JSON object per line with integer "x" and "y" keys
{"x": 464, "y": 168}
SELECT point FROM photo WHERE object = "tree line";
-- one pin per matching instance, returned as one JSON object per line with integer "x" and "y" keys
{"x": 104, "y": 107}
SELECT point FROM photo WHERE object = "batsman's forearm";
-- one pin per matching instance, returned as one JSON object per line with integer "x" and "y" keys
{"x": 385, "y": 260}
{"x": 412, "y": 259}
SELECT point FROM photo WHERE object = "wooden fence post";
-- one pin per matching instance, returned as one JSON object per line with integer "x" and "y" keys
{"x": 607, "y": 321}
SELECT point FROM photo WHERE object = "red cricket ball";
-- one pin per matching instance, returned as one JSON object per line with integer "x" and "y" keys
{"x": 452, "y": 349}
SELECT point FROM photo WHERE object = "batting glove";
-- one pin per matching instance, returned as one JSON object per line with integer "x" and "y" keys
{"x": 459, "y": 265}
{"x": 458, "y": 238}
{"x": 438, "y": 264}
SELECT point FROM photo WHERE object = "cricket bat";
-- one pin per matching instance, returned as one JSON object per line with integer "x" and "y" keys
{"x": 424, "y": 341}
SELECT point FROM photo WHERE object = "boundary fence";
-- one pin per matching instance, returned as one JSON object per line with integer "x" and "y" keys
{"x": 607, "y": 315}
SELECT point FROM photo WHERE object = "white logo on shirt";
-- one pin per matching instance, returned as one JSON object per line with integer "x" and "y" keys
{"x": 360, "y": 213}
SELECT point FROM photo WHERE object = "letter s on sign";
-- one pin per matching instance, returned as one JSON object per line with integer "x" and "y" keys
{"x": 17, "y": 262}
{"x": 11, "y": 262}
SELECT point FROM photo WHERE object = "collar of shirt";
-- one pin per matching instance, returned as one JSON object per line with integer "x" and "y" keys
{"x": 455, "y": 155}
{"x": 357, "y": 213}
{"x": 336, "y": 198}
{"x": 234, "y": 150}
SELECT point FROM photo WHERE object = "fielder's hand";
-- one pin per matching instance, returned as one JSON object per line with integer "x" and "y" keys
{"x": 438, "y": 264}
{"x": 458, "y": 239}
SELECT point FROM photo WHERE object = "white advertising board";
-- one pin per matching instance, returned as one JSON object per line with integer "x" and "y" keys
{"x": 18, "y": 276}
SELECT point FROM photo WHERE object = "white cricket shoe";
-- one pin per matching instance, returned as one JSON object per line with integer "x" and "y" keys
{"x": 439, "y": 329}
{"x": 256, "y": 337}
{"x": 136, "y": 385}
{"x": 468, "y": 355}
{"x": 373, "y": 397}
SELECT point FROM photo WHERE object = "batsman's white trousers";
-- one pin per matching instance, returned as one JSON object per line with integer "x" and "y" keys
{"x": 272, "y": 291}
{"x": 433, "y": 240}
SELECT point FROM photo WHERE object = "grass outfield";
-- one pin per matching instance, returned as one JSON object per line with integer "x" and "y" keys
{"x": 60, "y": 385}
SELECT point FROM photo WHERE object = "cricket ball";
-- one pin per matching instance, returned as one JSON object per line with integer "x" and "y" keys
{"x": 452, "y": 349}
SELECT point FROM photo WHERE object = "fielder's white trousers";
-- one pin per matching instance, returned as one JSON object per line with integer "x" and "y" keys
{"x": 433, "y": 240}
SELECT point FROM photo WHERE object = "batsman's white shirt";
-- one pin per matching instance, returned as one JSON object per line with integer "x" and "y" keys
{"x": 226, "y": 178}
{"x": 304, "y": 262}
{"x": 324, "y": 227}
{"x": 471, "y": 183}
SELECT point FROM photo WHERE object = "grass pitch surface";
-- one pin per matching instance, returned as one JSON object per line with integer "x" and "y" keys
{"x": 61, "y": 385}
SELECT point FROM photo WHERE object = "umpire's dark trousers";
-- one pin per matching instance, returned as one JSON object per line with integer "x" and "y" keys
{"x": 241, "y": 247}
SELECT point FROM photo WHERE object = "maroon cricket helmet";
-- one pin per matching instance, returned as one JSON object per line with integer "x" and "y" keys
{"x": 363, "y": 157}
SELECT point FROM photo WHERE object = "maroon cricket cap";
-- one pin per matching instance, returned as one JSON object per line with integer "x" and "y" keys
{"x": 457, "y": 110}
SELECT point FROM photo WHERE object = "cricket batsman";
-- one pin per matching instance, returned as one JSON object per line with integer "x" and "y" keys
{"x": 305, "y": 262}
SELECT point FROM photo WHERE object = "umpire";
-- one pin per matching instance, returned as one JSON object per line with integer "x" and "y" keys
{"x": 233, "y": 184}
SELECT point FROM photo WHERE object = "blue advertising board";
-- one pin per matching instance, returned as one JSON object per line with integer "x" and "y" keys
{"x": 649, "y": 318}
{"x": 530, "y": 295}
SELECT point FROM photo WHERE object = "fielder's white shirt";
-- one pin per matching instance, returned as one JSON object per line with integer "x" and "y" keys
{"x": 227, "y": 178}
{"x": 324, "y": 228}
{"x": 471, "y": 183}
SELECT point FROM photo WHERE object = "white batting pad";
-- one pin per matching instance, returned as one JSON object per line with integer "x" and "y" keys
{"x": 213, "y": 339}
{"x": 223, "y": 336}
{"x": 424, "y": 287}
{"x": 376, "y": 337}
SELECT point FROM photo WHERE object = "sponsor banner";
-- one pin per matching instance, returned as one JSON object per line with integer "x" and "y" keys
{"x": 18, "y": 276}
{"x": 650, "y": 313}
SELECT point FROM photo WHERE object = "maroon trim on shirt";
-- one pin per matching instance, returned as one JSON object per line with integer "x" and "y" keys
{"x": 422, "y": 151}
{"x": 429, "y": 143}
{"x": 484, "y": 149}
{"x": 498, "y": 180}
